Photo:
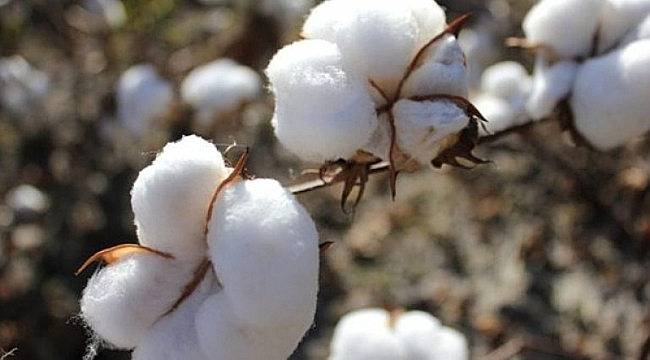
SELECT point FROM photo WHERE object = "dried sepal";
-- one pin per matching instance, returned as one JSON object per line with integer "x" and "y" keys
{"x": 324, "y": 247}
{"x": 461, "y": 148}
{"x": 119, "y": 252}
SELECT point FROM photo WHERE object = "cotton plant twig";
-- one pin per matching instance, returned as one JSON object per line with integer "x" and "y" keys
{"x": 6, "y": 354}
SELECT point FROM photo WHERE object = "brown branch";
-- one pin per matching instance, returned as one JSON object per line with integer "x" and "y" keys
{"x": 531, "y": 343}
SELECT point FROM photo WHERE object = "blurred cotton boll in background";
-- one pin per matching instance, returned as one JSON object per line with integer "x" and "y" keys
{"x": 142, "y": 97}
{"x": 371, "y": 334}
{"x": 217, "y": 89}
{"x": 225, "y": 268}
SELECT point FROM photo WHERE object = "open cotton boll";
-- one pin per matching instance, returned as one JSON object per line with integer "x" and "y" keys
{"x": 417, "y": 329}
{"x": 264, "y": 248}
{"x": 218, "y": 88}
{"x": 170, "y": 197}
{"x": 567, "y": 26}
{"x": 506, "y": 79}
{"x": 618, "y": 18}
{"x": 365, "y": 335}
{"x": 610, "y": 96}
{"x": 321, "y": 112}
{"x": 142, "y": 96}
{"x": 376, "y": 38}
{"x": 424, "y": 128}
{"x": 550, "y": 85}
{"x": 498, "y": 111}
{"x": 443, "y": 72}
{"x": 123, "y": 300}
{"x": 174, "y": 336}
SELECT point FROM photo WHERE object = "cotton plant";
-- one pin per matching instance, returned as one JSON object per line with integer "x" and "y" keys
{"x": 217, "y": 89}
{"x": 599, "y": 70}
{"x": 142, "y": 96}
{"x": 376, "y": 334}
{"x": 374, "y": 81}
{"x": 225, "y": 268}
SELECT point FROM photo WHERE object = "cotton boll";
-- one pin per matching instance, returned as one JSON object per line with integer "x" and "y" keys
{"x": 123, "y": 300}
{"x": 27, "y": 199}
{"x": 365, "y": 335}
{"x": 497, "y": 111}
{"x": 321, "y": 112}
{"x": 170, "y": 197}
{"x": 264, "y": 248}
{"x": 610, "y": 96}
{"x": 506, "y": 79}
{"x": 567, "y": 26}
{"x": 376, "y": 38}
{"x": 218, "y": 88}
{"x": 424, "y": 128}
{"x": 142, "y": 96}
{"x": 443, "y": 72}
{"x": 416, "y": 330}
{"x": 450, "y": 345}
{"x": 174, "y": 336}
{"x": 618, "y": 18}
{"x": 550, "y": 85}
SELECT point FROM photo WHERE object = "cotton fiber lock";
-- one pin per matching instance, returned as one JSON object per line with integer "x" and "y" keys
{"x": 225, "y": 268}
{"x": 374, "y": 80}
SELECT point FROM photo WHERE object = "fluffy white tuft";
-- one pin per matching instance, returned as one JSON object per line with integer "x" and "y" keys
{"x": 21, "y": 85}
{"x": 567, "y": 26}
{"x": 422, "y": 127}
{"x": 142, "y": 96}
{"x": 264, "y": 247}
{"x": 497, "y": 111}
{"x": 443, "y": 72}
{"x": 170, "y": 197}
{"x": 218, "y": 88}
{"x": 414, "y": 335}
{"x": 550, "y": 85}
{"x": 610, "y": 96}
{"x": 506, "y": 79}
{"x": 123, "y": 300}
{"x": 618, "y": 18}
{"x": 174, "y": 336}
{"x": 321, "y": 112}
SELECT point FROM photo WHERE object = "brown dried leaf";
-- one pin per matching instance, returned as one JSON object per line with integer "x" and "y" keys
{"x": 116, "y": 253}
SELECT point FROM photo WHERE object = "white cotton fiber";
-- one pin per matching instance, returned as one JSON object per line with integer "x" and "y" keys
{"x": 424, "y": 128}
{"x": 218, "y": 88}
{"x": 222, "y": 336}
{"x": 610, "y": 96}
{"x": 443, "y": 72}
{"x": 123, "y": 300}
{"x": 321, "y": 112}
{"x": 550, "y": 85}
{"x": 264, "y": 247}
{"x": 365, "y": 335}
{"x": 142, "y": 96}
{"x": 170, "y": 197}
{"x": 376, "y": 37}
{"x": 567, "y": 26}
{"x": 618, "y": 18}
{"x": 430, "y": 19}
{"x": 413, "y": 335}
{"x": 506, "y": 79}
{"x": 174, "y": 336}
{"x": 497, "y": 111}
